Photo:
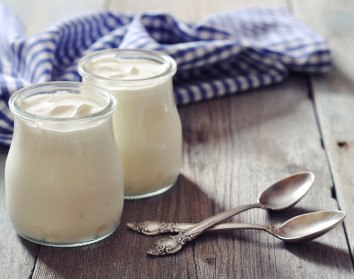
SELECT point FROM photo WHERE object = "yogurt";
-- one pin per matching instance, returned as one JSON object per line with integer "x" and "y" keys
{"x": 63, "y": 176}
{"x": 123, "y": 69}
{"x": 147, "y": 126}
{"x": 61, "y": 104}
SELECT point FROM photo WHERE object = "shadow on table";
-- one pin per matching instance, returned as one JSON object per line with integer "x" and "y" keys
{"x": 321, "y": 253}
{"x": 315, "y": 251}
{"x": 184, "y": 202}
{"x": 31, "y": 247}
{"x": 124, "y": 252}
{"x": 279, "y": 217}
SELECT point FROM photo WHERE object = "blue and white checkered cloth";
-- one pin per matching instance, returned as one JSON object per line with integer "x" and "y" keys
{"x": 225, "y": 54}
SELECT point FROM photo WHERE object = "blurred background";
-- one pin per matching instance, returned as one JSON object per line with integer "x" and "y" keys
{"x": 39, "y": 14}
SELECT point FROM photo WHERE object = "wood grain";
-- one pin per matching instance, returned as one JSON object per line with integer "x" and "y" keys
{"x": 334, "y": 95}
{"x": 233, "y": 148}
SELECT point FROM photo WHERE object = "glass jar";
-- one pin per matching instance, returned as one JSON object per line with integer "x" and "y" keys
{"x": 147, "y": 126}
{"x": 63, "y": 175}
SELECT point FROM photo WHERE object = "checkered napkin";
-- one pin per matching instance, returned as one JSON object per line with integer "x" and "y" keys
{"x": 227, "y": 53}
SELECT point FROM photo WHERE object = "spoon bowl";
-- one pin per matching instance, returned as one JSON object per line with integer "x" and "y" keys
{"x": 286, "y": 192}
{"x": 308, "y": 226}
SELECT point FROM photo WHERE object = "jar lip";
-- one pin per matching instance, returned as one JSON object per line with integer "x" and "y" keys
{"x": 129, "y": 53}
{"x": 55, "y": 86}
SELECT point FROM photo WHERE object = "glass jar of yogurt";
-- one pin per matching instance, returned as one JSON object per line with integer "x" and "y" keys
{"x": 147, "y": 126}
{"x": 63, "y": 174}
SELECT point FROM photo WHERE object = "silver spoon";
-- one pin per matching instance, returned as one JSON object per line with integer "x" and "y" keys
{"x": 282, "y": 194}
{"x": 301, "y": 228}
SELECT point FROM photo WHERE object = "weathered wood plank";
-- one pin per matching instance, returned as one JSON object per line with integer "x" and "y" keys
{"x": 233, "y": 148}
{"x": 17, "y": 256}
{"x": 39, "y": 14}
{"x": 334, "y": 95}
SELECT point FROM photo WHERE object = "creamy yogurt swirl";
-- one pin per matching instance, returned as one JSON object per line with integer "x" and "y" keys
{"x": 126, "y": 69}
{"x": 61, "y": 104}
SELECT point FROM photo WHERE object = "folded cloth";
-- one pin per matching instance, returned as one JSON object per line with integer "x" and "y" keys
{"x": 226, "y": 53}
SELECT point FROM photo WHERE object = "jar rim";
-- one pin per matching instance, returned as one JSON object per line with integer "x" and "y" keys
{"x": 132, "y": 54}
{"x": 55, "y": 86}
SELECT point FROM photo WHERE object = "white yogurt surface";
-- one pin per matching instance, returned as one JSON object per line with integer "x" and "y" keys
{"x": 61, "y": 104}
{"x": 125, "y": 69}
{"x": 63, "y": 186}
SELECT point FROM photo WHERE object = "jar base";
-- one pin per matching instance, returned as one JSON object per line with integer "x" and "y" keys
{"x": 68, "y": 245}
{"x": 152, "y": 194}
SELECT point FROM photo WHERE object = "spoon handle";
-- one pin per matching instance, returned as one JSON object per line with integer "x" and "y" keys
{"x": 196, "y": 230}
{"x": 156, "y": 228}
{"x": 173, "y": 244}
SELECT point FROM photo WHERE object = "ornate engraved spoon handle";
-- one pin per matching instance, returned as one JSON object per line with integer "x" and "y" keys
{"x": 173, "y": 244}
{"x": 155, "y": 227}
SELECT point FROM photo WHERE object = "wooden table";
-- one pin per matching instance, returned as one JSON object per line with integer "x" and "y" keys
{"x": 234, "y": 147}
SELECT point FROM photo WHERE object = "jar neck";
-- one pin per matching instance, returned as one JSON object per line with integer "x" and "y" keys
{"x": 130, "y": 86}
{"x": 64, "y": 103}
{"x": 150, "y": 67}
{"x": 161, "y": 92}
{"x": 59, "y": 126}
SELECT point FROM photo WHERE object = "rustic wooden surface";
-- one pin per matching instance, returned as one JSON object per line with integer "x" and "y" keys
{"x": 334, "y": 96}
{"x": 234, "y": 147}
